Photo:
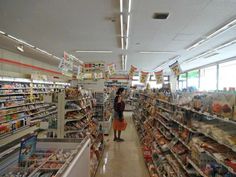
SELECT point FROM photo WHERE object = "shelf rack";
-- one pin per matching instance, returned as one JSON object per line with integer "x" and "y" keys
{"x": 197, "y": 131}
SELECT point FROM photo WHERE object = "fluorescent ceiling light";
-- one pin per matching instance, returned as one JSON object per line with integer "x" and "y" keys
{"x": 93, "y": 51}
{"x": 43, "y": 51}
{"x": 124, "y": 62}
{"x": 219, "y": 31}
{"x": 226, "y": 45}
{"x": 127, "y": 43}
{"x": 29, "y": 45}
{"x": 129, "y": 8}
{"x": 195, "y": 45}
{"x": 57, "y": 57}
{"x": 21, "y": 41}
{"x": 222, "y": 29}
{"x": 121, "y": 6}
{"x": 121, "y": 26}
{"x": 210, "y": 55}
{"x": 128, "y": 25}
{"x": 167, "y": 62}
{"x": 122, "y": 43}
{"x": 174, "y": 58}
{"x": 156, "y": 52}
{"x": 20, "y": 48}
{"x": 1, "y": 32}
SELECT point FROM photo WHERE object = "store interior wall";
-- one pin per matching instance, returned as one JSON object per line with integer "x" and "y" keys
{"x": 5, "y": 54}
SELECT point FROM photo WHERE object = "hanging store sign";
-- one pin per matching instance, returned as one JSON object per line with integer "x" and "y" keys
{"x": 96, "y": 65}
{"x": 67, "y": 63}
{"x": 106, "y": 75}
{"x": 175, "y": 67}
{"x": 112, "y": 69}
{"x": 159, "y": 77}
{"x": 132, "y": 71}
{"x": 143, "y": 77}
{"x": 98, "y": 75}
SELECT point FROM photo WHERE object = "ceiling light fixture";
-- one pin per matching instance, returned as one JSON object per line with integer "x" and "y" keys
{"x": 122, "y": 43}
{"x": 124, "y": 62}
{"x": 127, "y": 43}
{"x": 56, "y": 57}
{"x": 157, "y": 52}
{"x": 43, "y": 51}
{"x": 219, "y": 31}
{"x": 1, "y": 32}
{"x": 222, "y": 29}
{"x": 227, "y": 44}
{"x": 195, "y": 45}
{"x": 93, "y": 51}
{"x": 129, "y": 8}
{"x": 211, "y": 52}
{"x": 121, "y": 6}
{"x": 20, "y": 41}
{"x": 128, "y": 25}
{"x": 121, "y": 26}
{"x": 126, "y": 58}
{"x": 167, "y": 62}
{"x": 211, "y": 55}
{"x": 20, "y": 48}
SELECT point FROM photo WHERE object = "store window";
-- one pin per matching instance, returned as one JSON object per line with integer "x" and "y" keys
{"x": 151, "y": 80}
{"x": 208, "y": 78}
{"x": 226, "y": 72}
{"x": 193, "y": 79}
{"x": 183, "y": 81}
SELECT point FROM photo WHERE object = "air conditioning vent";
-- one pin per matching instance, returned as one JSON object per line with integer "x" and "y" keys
{"x": 160, "y": 16}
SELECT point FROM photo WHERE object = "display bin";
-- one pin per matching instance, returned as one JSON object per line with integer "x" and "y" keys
{"x": 76, "y": 163}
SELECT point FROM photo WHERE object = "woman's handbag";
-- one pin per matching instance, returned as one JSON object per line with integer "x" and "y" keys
{"x": 123, "y": 125}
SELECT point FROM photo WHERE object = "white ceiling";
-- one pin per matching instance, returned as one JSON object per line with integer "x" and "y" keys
{"x": 59, "y": 25}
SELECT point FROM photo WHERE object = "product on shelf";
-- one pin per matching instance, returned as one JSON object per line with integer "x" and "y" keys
{"x": 44, "y": 161}
{"x": 197, "y": 139}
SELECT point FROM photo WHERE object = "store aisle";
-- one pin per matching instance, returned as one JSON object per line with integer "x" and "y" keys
{"x": 123, "y": 159}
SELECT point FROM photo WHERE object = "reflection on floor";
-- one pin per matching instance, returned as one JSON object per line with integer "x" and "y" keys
{"x": 123, "y": 159}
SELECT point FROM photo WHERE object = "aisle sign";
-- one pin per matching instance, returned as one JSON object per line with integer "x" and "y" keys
{"x": 143, "y": 77}
{"x": 112, "y": 69}
{"x": 175, "y": 67}
{"x": 159, "y": 77}
{"x": 132, "y": 71}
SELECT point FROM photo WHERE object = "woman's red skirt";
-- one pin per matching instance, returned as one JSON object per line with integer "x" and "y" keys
{"x": 119, "y": 125}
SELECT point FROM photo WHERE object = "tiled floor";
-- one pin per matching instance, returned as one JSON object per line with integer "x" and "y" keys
{"x": 123, "y": 159}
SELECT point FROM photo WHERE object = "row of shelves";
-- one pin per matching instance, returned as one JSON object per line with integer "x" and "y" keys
{"x": 162, "y": 119}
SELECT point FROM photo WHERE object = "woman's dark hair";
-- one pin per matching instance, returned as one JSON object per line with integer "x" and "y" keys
{"x": 119, "y": 91}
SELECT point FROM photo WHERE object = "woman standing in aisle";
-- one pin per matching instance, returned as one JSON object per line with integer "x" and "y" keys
{"x": 119, "y": 124}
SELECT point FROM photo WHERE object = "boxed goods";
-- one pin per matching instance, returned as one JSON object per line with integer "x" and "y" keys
{"x": 37, "y": 159}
